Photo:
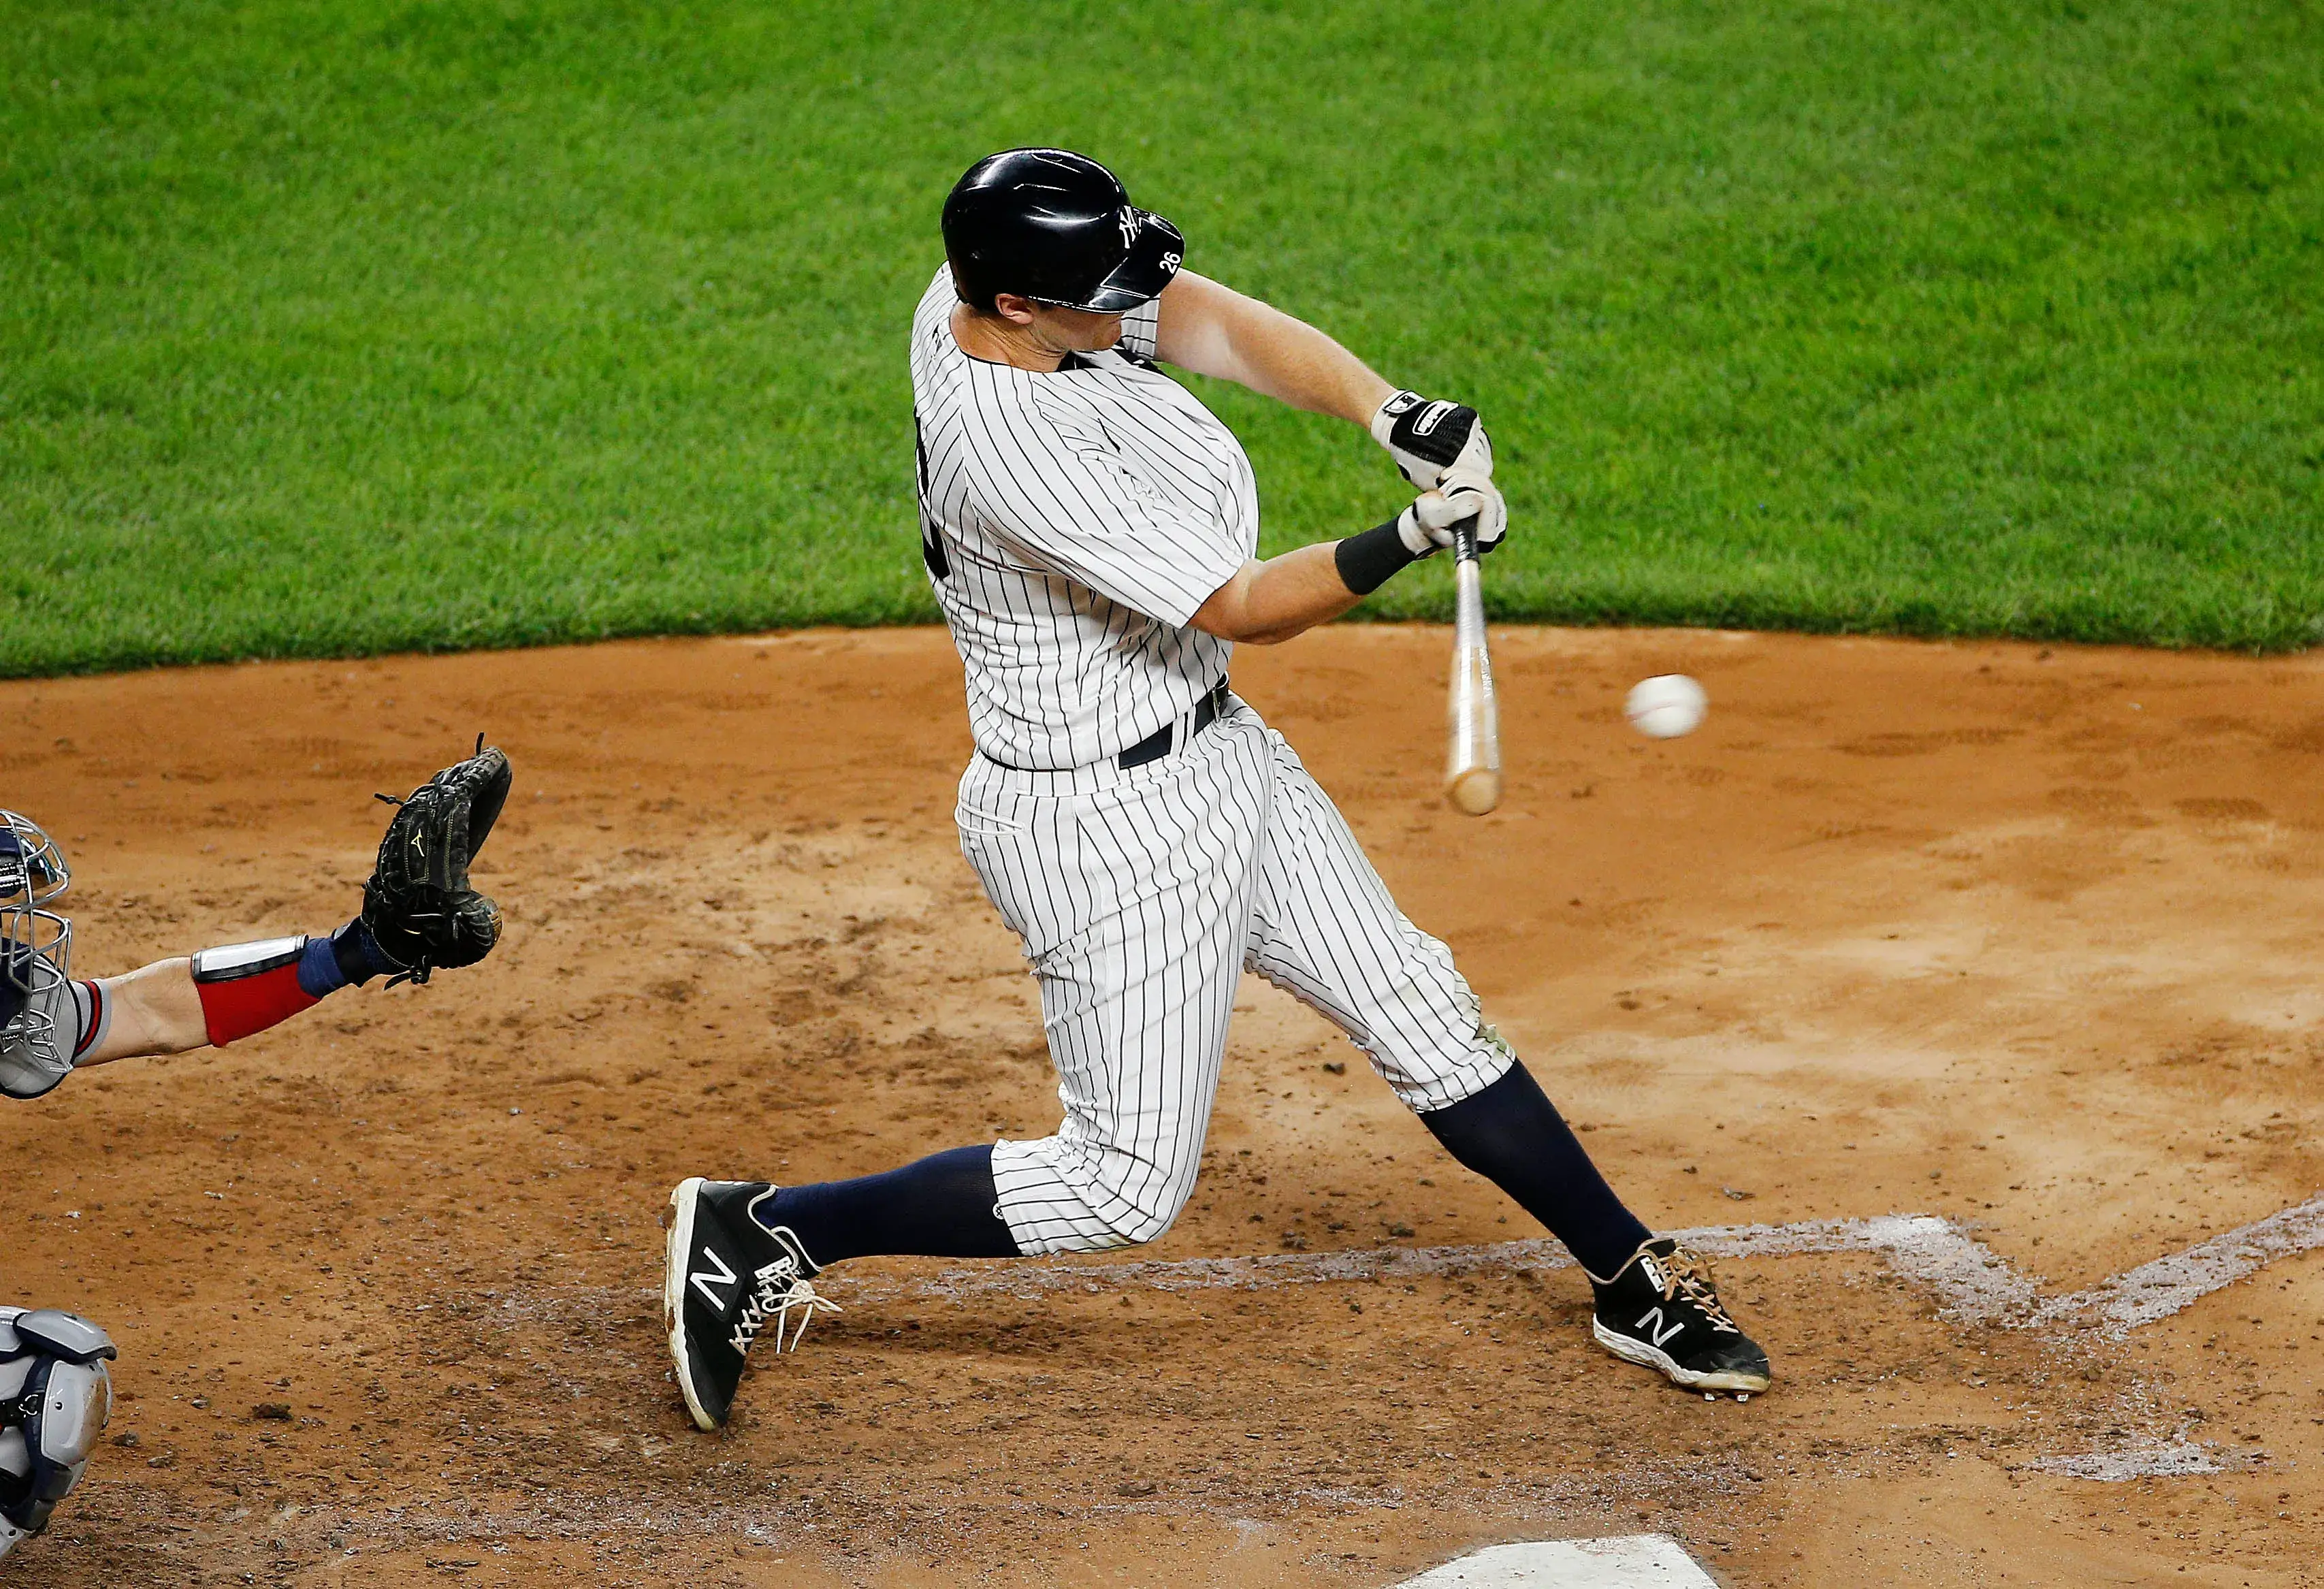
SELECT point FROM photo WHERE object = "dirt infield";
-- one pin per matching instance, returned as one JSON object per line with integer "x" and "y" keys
{"x": 2021, "y": 939}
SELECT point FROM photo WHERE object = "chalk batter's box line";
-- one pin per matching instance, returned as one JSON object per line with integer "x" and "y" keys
{"x": 1973, "y": 1284}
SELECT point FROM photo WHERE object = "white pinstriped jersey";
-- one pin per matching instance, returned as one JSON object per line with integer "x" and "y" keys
{"x": 1071, "y": 523}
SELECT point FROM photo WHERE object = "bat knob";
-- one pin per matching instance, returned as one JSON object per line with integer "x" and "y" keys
{"x": 1476, "y": 791}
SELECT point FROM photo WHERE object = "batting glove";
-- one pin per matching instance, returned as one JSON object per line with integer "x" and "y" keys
{"x": 1430, "y": 440}
{"x": 1428, "y": 525}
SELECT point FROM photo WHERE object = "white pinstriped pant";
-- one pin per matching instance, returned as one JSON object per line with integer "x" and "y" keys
{"x": 1140, "y": 896}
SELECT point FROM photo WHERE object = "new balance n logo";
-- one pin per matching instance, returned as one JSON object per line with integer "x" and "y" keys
{"x": 1651, "y": 1321}
{"x": 702, "y": 1282}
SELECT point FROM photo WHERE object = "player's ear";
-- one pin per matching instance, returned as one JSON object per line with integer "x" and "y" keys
{"x": 1016, "y": 310}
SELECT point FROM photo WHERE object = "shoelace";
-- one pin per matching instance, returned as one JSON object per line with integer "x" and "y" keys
{"x": 778, "y": 1295}
{"x": 1688, "y": 1276}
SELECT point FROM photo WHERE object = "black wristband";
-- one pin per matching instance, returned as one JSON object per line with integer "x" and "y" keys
{"x": 358, "y": 953}
{"x": 1366, "y": 559}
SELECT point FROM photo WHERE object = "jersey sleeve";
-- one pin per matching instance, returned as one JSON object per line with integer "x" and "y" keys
{"x": 92, "y": 1017}
{"x": 1068, "y": 502}
{"x": 1142, "y": 330}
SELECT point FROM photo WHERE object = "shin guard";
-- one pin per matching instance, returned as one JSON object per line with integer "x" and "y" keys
{"x": 55, "y": 1396}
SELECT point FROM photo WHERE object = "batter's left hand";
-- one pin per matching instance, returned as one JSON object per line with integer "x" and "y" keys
{"x": 1432, "y": 439}
{"x": 1428, "y": 525}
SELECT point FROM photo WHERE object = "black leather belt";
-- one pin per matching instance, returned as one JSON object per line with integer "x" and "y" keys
{"x": 1158, "y": 743}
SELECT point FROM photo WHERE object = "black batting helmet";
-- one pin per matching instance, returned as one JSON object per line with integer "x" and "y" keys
{"x": 1058, "y": 228}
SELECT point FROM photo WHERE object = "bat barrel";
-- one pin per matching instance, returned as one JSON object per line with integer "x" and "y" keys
{"x": 1472, "y": 771}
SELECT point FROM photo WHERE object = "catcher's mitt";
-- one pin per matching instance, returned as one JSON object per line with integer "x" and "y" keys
{"x": 418, "y": 906}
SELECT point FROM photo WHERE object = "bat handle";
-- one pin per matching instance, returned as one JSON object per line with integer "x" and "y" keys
{"x": 1467, "y": 583}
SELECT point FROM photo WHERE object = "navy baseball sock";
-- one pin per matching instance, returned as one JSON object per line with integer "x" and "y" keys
{"x": 940, "y": 1206}
{"x": 1511, "y": 1134}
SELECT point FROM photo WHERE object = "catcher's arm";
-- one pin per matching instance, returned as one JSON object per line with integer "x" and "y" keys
{"x": 154, "y": 1010}
{"x": 419, "y": 915}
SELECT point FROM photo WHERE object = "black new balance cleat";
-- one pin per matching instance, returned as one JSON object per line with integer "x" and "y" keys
{"x": 728, "y": 1278}
{"x": 1662, "y": 1312}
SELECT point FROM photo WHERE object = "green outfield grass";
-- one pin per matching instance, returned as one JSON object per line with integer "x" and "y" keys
{"x": 336, "y": 328}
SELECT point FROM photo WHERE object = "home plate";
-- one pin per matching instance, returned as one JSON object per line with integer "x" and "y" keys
{"x": 1629, "y": 1561}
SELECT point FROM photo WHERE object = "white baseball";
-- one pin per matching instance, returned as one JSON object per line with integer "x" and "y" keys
{"x": 1666, "y": 706}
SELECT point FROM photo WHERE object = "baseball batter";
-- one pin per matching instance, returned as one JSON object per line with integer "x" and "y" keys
{"x": 1089, "y": 529}
{"x": 419, "y": 915}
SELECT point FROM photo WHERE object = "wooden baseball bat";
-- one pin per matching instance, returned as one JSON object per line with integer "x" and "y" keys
{"x": 1473, "y": 768}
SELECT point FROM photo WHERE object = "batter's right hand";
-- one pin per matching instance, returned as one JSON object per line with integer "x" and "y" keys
{"x": 1428, "y": 523}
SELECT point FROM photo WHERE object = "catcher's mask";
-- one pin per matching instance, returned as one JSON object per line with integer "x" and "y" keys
{"x": 35, "y": 944}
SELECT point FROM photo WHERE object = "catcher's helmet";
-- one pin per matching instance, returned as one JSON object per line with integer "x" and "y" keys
{"x": 1058, "y": 228}
{"x": 35, "y": 944}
